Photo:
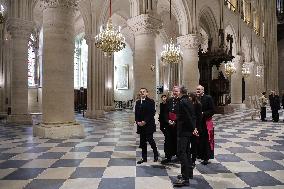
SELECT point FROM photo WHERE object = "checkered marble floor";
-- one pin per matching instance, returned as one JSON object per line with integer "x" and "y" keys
{"x": 248, "y": 154}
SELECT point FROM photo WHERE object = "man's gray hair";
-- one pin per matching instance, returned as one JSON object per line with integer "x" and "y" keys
{"x": 183, "y": 90}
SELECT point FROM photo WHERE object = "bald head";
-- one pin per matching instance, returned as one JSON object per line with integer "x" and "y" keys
{"x": 199, "y": 90}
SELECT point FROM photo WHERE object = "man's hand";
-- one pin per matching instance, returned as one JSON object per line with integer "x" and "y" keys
{"x": 143, "y": 123}
{"x": 195, "y": 132}
{"x": 172, "y": 123}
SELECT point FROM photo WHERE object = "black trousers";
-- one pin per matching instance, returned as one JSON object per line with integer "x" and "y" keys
{"x": 144, "y": 138}
{"x": 275, "y": 115}
{"x": 263, "y": 113}
{"x": 194, "y": 148}
{"x": 170, "y": 145}
{"x": 183, "y": 150}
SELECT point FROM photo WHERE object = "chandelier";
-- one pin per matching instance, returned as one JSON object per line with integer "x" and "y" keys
{"x": 1, "y": 14}
{"x": 245, "y": 71}
{"x": 110, "y": 40}
{"x": 230, "y": 69}
{"x": 171, "y": 53}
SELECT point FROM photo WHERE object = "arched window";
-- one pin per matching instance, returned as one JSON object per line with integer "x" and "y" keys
{"x": 32, "y": 66}
{"x": 80, "y": 62}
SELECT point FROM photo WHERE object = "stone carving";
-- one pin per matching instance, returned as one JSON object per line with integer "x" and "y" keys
{"x": 20, "y": 28}
{"x": 190, "y": 41}
{"x": 60, "y": 3}
{"x": 144, "y": 24}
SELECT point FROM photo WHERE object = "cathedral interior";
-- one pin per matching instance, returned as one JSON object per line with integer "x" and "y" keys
{"x": 71, "y": 71}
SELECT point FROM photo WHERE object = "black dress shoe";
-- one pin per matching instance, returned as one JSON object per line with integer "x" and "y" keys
{"x": 141, "y": 161}
{"x": 205, "y": 162}
{"x": 165, "y": 161}
{"x": 181, "y": 182}
{"x": 180, "y": 177}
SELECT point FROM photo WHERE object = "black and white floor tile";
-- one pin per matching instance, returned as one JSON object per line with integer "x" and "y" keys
{"x": 248, "y": 154}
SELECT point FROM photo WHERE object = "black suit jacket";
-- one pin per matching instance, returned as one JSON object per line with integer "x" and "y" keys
{"x": 185, "y": 117}
{"x": 145, "y": 111}
{"x": 208, "y": 109}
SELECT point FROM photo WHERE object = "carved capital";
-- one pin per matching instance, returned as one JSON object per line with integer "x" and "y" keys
{"x": 60, "y": 3}
{"x": 190, "y": 41}
{"x": 238, "y": 59}
{"x": 144, "y": 24}
{"x": 19, "y": 28}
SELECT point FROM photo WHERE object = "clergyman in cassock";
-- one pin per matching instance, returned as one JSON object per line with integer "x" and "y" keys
{"x": 170, "y": 133}
{"x": 206, "y": 133}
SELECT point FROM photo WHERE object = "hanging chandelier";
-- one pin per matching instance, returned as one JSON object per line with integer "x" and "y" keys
{"x": 230, "y": 69}
{"x": 245, "y": 71}
{"x": 172, "y": 52}
{"x": 110, "y": 40}
{"x": 1, "y": 14}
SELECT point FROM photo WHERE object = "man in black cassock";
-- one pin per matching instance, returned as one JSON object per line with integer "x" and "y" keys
{"x": 144, "y": 118}
{"x": 206, "y": 137}
{"x": 170, "y": 131}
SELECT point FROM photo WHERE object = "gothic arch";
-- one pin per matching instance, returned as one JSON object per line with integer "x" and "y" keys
{"x": 208, "y": 22}
{"x": 180, "y": 10}
{"x": 246, "y": 51}
{"x": 229, "y": 29}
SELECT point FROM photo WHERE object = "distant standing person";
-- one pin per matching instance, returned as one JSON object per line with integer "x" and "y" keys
{"x": 144, "y": 118}
{"x": 274, "y": 101}
{"x": 263, "y": 103}
{"x": 206, "y": 134}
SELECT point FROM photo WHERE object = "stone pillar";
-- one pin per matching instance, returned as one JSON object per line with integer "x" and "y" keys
{"x": 20, "y": 31}
{"x": 190, "y": 74}
{"x": 173, "y": 75}
{"x": 145, "y": 27}
{"x": 109, "y": 84}
{"x": 236, "y": 83}
{"x": 251, "y": 84}
{"x": 58, "y": 120}
{"x": 96, "y": 81}
{"x": 2, "y": 73}
{"x": 271, "y": 77}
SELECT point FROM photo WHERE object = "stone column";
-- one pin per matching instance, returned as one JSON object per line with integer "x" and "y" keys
{"x": 190, "y": 74}
{"x": 2, "y": 73}
{"x": 109, "y": 84}
{"x": 20, "y": 31}
{"x": 58, "y": 119}
{"x": 173, "y": 75}
{"x": 145, "y": 27}
{"x": 96, "y": 81}
{"x": 236, "y": 83}
{"x": 251, "y": 83}
{"x": 271, "y": 76}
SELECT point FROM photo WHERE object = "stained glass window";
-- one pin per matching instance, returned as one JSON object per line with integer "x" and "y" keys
{"x": 32, "y": 69}
{"x": 80, "y": 62}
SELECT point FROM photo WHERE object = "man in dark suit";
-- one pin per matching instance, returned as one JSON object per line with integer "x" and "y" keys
{"x": 185, "y": 129}
{"x": 206, "y": 137}
{"x": 144, "y": 118}
{"x": 274, "y": 101}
